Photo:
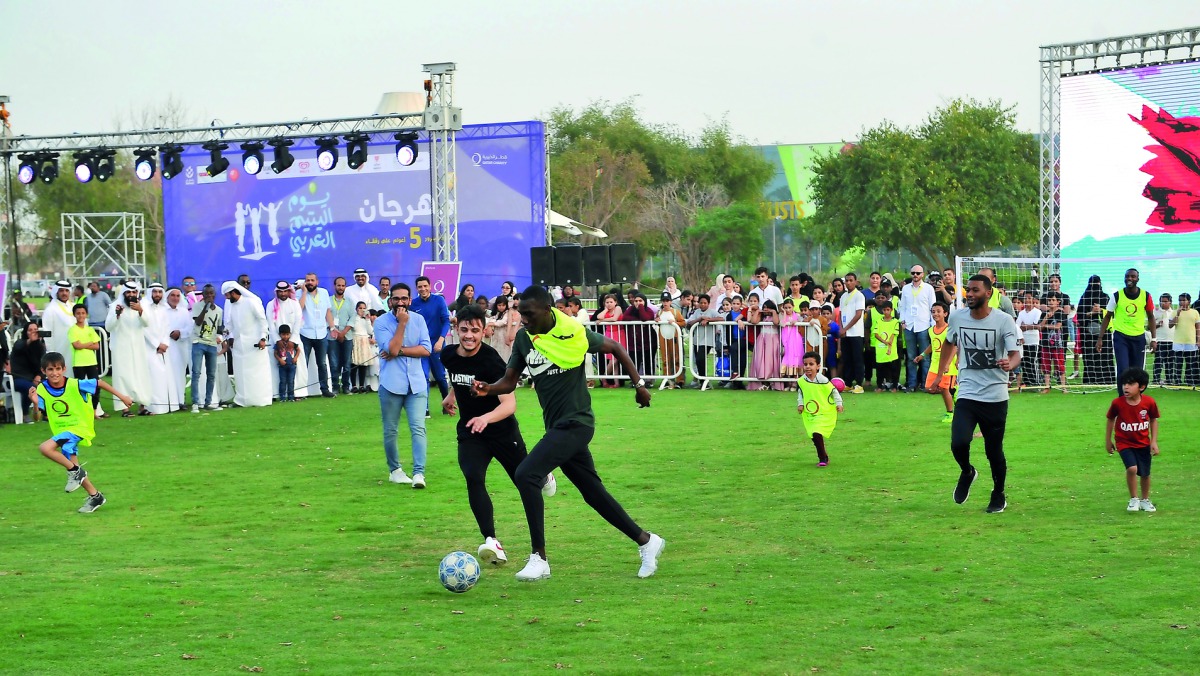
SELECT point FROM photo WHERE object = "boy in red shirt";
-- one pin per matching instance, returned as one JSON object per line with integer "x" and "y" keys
{"x": 1134, "y": 416}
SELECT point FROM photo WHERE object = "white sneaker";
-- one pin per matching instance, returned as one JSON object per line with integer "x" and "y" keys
{"x": 1134, "y": 505}
{"x": 1148, "y": 506}
{"x": 195, "y": 408}
{"x": 550, "y": 487}
{"x": 213, "y": 407}
{"x": 536, "y": 569}
{"x": 491, "y": 551}
{"x": 418, "y": 481}
{"x": 649, "y": 553}
{"x": 399, "y": 477}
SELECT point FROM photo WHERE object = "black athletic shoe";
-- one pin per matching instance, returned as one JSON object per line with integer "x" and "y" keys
{"x": 997, "y": 504}
{"x": 328, "y": 395}
{"x": 963, "y": 490}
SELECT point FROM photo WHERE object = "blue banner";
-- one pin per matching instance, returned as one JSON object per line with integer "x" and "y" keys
{"x": 282, "y": 226}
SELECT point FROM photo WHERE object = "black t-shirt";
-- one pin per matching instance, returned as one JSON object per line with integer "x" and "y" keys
{"x": 562, "y": 393}
{"x": 1063, "y": 299}
{"x": 488, "y": 366}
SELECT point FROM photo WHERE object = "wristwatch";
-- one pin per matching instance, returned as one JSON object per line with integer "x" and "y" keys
{"x": 640, "y": 384}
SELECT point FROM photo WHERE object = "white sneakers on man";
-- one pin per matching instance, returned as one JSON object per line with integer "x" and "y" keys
{"x": 195, "y": 408}
{"x": 399, "y": 477}
{"x": 550, "y": 487}
{"x": 491, "y": 551}
{"x": 536, "y": 569}
{"x": 418, "y": 481}
{"x": 649, "y": 553}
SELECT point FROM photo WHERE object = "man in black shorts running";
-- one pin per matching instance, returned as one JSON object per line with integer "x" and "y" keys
{"x": 487, "y": 427}
{"x": 554, "y": 347}
{"x": 985, "y": 340}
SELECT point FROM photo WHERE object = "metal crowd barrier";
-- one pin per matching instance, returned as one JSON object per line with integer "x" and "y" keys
{"x": 657, "y": 355}
{"x": 741, "y": 357}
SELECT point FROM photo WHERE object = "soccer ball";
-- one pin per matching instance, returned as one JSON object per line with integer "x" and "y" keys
{"x": 459, "y": 571}
{"x": 838, "y": 384}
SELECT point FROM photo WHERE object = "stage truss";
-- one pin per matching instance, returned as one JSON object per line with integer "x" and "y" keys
{"x": 94, "y": 243}
{"x": 1091, "y": 56}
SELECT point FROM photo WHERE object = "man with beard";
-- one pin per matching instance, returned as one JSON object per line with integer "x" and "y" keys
{"x": 403, "y": 342}
{"x": 126, "y": 325}
{"x": 1130, "y": 311}
{"x": 179, "y": 334}
{"x": 985, "y": 340}
{"x": 362, "y": 291}
{"x": 246, "y": 324}
{"x": 157, "y": 346}
{"x": 57, "y": 320}
{"x": 284, "y": 309}
{"x": 318, "y": 319}
{"x": 336, "y": 346}
{"x": 437, "y": 320}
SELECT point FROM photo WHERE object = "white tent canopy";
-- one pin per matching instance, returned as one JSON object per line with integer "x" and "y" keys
{"x": 572, "y": 226}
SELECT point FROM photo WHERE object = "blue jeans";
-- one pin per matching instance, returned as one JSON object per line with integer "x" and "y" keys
{"x": 1130, "y": 351}
{"x": 317, "y": 344}
{"x": 915, "y": 343}
{"x": 434, "y": 363}
{"x": 339, "y": 362}
{"x": 287, "y": 382}
{"x": 208, "y": 355}
{"x": 414, "y": 406}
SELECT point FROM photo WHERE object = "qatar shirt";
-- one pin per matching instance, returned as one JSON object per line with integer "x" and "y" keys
{"x": 400, "y": 374}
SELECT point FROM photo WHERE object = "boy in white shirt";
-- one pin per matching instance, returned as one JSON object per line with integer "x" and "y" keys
{"x": 1164, "y": 363}
{"x": 1029, "y": 319}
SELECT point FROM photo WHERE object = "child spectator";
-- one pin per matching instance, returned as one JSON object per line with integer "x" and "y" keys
{"x": 85, "y": 345}
{"x": 1029, "y": 319}
{"x": 362, "y": 332}
{"x": 937, "y": 338}
{"x": 736, "y": 341}
{"x": 818, "y": 404}
{"x": 764, "y": 338}
{"x": 790, "y": 326}
{"x": 814, "y": 334}
{"x": 285, "y": 355}
{"x": 1134, "y": 417}
{"x": 65, "y": 404}
{"x": 670, "y": 339}
{"x": 1186, "y": 323}
{"x": 833, "y": 350}
{"x": 606, "y": 317}
{"x": 704, "y": 337}
{"x": 887, "y": 358}
{"x": 1054, "y": 345}
{"x": 1164, "y": 362}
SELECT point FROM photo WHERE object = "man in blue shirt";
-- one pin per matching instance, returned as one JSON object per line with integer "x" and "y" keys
{"x": 437, "y": 317}
{"x": 403, "y": 343}
{"x": 318, "y": 319}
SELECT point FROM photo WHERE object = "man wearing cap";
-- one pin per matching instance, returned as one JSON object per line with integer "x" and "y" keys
{"x": 246, "y": 324}
{"x": 282, "y": 310}
{"x": 362, "y": 291}
{"x": 57, "y": 319}
{"x": 126, "y": 325}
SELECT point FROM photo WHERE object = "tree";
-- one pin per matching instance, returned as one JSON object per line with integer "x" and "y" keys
{"x": 965, "y": 181}
{"x": 599, "y": 186}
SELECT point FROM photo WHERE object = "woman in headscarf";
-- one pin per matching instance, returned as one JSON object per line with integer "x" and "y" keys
{"x": 672, "y": 289}
{"x": 1097, "y": 366}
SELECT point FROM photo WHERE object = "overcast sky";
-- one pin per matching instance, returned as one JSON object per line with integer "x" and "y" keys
{"x": 781, "y": 71}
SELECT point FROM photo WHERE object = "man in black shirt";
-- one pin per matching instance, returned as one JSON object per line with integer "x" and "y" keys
{"x": 486, "y": 426}
{"x": 554, "y": 347}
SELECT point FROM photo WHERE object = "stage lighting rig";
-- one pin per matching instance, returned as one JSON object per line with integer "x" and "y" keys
{"x": 327, "y": 155}
{"x": 143, "y": 166}
{"x": 85, "y": 166}
{"x": 28, "y": 170}
{"x": 217, "y": 162}
{"x": 283, "y": 156}
{"x": 406, "y": 148}
{"x": 49, "y": 167}
{"x": 172, "y": 164}
{"x": 356, "y": 150}
{"x": 104, "y": 163}
{"x": 252, "y": 158}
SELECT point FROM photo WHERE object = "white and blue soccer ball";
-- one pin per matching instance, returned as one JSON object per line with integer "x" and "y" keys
{"x": 459, "y": 571}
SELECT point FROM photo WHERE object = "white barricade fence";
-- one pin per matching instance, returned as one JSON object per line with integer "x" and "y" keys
{"x": 721, "y": 352}
{"x": 657, "y": 350}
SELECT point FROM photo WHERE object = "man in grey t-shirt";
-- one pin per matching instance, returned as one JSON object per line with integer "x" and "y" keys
{"x": 985, "y": 341}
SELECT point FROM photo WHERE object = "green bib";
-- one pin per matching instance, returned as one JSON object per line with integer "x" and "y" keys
{"x": 69, "y": 412}
{"x": 936, "y": 341}
{"x": 1130, "y": 317}
{"x": 820, "y": 408}
{"x": 566, "y": 344}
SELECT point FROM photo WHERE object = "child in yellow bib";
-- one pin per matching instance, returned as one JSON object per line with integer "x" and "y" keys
{"x": 818, "y": 404}
{"x": 67, "y": 404}
{"x": 887, "y": 356}
{"x": 937, "y": 338}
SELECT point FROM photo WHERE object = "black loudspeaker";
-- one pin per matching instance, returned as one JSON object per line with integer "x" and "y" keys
{"x": 596, "y": 265}
{"x": 541, "y": 265}
{"x": 568, "y": 265}
{"x": 623, "y": 263}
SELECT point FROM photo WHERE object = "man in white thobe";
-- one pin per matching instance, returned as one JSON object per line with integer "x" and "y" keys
{"x": 179, "y": 336}
{"x": 362, "y": 291}
{"x": 57, "y": 319}
{"x": 246, "y": 323}
{"x": 284, "y": 310}
{"x": 126, "y": 327}
{"x": 157, "y": 345}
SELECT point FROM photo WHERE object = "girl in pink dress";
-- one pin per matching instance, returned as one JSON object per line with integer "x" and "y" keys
{"x": 791, "y": 327}
{"x": 766, "y": 344}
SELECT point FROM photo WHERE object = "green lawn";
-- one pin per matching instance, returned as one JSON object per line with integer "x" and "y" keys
{"x": 269, "y": 538}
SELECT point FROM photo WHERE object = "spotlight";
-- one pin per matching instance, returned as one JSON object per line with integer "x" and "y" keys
{"x": 356, "y": 150}
{"x": 283, "y": 157}
{"x": 252, "y": 158}
{"x": 49, "y": 169}
{"x": 28, "y": 170}
{"x": 172, "y": 164}
{"x": 85, "y": 166}
{"x": 104, "y": 163}
{"x": 217, "y": 163}
{"x": 327, "y": 156}
{"x": 143, "y": 166}
{"x": 406, "y": 149}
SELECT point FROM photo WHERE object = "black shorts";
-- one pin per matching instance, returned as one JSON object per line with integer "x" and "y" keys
{"x": 1137, "y": 457}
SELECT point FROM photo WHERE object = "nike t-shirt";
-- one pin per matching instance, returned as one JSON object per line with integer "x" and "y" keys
{"x": 981, "y": 342}
{"x": 562, "y": 393}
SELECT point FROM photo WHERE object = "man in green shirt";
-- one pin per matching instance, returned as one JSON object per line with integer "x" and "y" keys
{"x": 554, "y": 347}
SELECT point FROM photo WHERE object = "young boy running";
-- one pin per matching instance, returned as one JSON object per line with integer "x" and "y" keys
{"x": 554, "y": 347}
{"x": 819, "y": 405}
{"x": 937, "y": 338}
{"x": 68, "y": 408}
{"x": 487, "y": 427}
{"x": 1134, "y": 417}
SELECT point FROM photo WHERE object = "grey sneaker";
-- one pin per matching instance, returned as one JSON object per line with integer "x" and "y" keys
{"x": 75, "y": 479}
{"x": 213, "y": 407}
{"x": 93, "y": 503}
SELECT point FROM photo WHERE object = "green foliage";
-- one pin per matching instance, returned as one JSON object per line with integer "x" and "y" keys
{"x": 963, "y": 182}
{"x": 735, "y": 230}
{"x": 850, "y": 259}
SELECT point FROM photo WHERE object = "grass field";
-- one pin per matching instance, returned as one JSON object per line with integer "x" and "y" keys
{"x": 269, "y": 539}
